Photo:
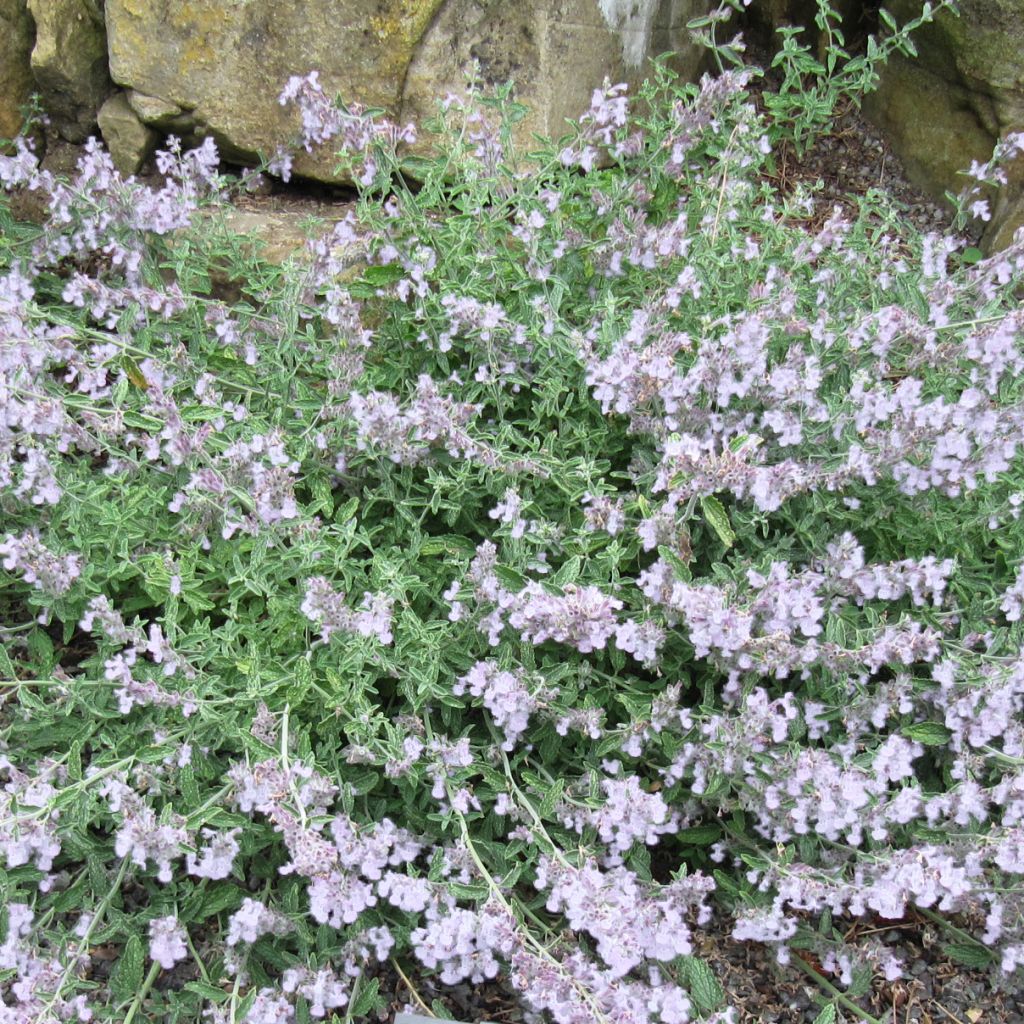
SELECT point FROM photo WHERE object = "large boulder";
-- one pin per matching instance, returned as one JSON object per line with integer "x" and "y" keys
{"x": 963, "y": 93}
{"x": 219, "y": 68}
{"x": 69, "y": 62}
{"x": 556, "y": 51}
{"x": 16, "y": 84}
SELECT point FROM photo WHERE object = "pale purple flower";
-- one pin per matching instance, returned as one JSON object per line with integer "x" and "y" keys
{"x": 327, "y": 609}
{"x": 36, "y": 564}
{"x": 167, "y": 940}
{"x": 1012, "y": 604}
{"x": 214, "y": 860}
{"x": 270, "y": 1008}
{"x": 505, "y": 695}
{"x": 323, "y": 989}
{"x": 253, "y": 920}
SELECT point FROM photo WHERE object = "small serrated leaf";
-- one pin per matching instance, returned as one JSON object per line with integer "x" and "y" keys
{"x": 6, "y": 666}
{"x": 187, "y": 785}
{"x": 569, "y": 572}
{"x": 827, "y": 1015}
{"x": 703, "y": 985}
{"x": 209, "y": 992}
{"x": 678, "y": 566}
{"x": 126, "y": 978}
{"x": 364, "y": 1002}
{"x": 699, "y": 835}
{"x": 347, "y": 511}
{"x": 969, "y": 954}
{"x": 551, "y": 798}
{"x": 931, "y": 734}
{"x": 717, "y": 518}
{"x": 509, "y": 578}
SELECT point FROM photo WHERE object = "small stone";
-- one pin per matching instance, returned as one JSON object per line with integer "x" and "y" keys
{"x": 130, "y": 141}
{"x": 159, "y": 113}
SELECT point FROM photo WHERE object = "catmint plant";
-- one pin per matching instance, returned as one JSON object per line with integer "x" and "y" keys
{"x": 574, "y": 550}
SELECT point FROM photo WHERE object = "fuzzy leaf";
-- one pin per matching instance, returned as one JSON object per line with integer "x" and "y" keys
{"x": 365, "y": 1000}
{"x": 717, "y": 518}
{"x": 931, "y": 734}
{"x": 699, "y": 835}
{"x": 126, "y": 978}
{"x": 970, "y": 955}
{"x": 703, "y": 985}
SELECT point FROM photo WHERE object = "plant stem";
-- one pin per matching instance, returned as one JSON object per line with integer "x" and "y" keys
{"x": 84, "y": 944}
{"x": 833, "y": 991}
{"x": 147, "y": 984}
{"x": 412, "y": 989}
{"x": 949, "y": 926}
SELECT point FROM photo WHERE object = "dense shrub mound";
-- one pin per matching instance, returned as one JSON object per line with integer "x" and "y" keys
{"x": 576, "y": 548}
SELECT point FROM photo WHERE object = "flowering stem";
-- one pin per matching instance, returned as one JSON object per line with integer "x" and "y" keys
{"x": 46, "y": 810}
{"x": 147, "y": 984}
{"x": 412, "y": 989}
{"x": 528, "y": 807}
{"x": 84, "y": 944}
{"x": 352, "y": 999}
{"x": 539, "y": 949}
{"x": 203, "y": 973}
{"x": 949, "y": 926}
{"x": 848, "y": 1003}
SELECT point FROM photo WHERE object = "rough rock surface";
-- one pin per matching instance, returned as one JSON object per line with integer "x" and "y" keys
{"x": 950, "y": 105}
{"x": 16, "y": 84}
{"x": 219, "y": 67}
{"x": 129, "y": 141}
{"x": 556, "y": 51}
{"x": 69, "y": 62}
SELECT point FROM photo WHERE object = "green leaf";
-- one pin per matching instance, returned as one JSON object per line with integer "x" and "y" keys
{"x": 381, "y": 276}
{"x": 828, "y": 1015}
{"x": 6, "y": 666}
{"x": 126, "y": 978}
{"x": 551, "y": 798}
{"x": 364, "y": 1002}
{"x": 568, "y": 573}
{"x": 969, "y": 954}
{"x": 210, "y": 992}
{"x": 509, "y": 578}
{"x": 931, "y": 734}
{"x": 718, "y": 519}
{"x": 699, "y": 835}
{"x": 187, "y": 785}
{"x": 40, "y": 648}
{"x": 703, "y": 985}
{"x": 75, "y": 761}
{"x": 346, "y": 511}
{"x": 202, "y": 904}
{"x": 678, "y": 566}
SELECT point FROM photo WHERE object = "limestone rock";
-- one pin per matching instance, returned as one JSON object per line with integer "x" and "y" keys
{"x": 15, "y": 70}
{"x": 223, "y": 63}
{"x": 556, "y": 51}
{"x": 152, "y": 110}
{"x": 930, "y": 124}
{"x": 129, "y": 141}
{"x": 963, "y": 92}
{"x": 278, "y": 235}
{"x": 69, "y": 62}
{"x": 1009, "y": 217}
